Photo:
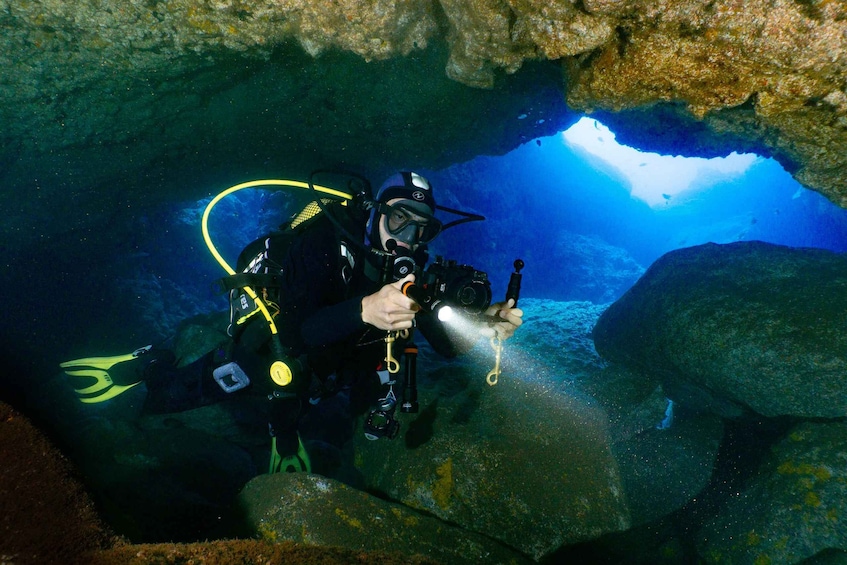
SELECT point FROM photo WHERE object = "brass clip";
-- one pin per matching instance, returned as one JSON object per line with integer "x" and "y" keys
{"x": 494, "y": 374}
{"x": 391, "y": 363}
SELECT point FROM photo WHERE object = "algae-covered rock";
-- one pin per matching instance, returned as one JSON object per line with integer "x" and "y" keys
{"x": 778, "y": 61}
{"x": 664, "y": 468}
{"x": 319, "y": 511}
{"x": 793, "y": 509}
{"x": 521, "y": 462}
{"x": 746, "y": 325}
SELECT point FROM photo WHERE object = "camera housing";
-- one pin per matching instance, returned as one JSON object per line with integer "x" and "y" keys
{"x": 460, "y": 286}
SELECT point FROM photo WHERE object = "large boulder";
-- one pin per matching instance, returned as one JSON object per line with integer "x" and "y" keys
{"x": 555, "y": 340}
{"x": 665, "y": 460}
{"x": 793, "y": 509}
{"x": 318, "y": 511}
{"x": 521, "y": 462}
{"x": 662, "y": 467}
{"x": 740, "y": 326}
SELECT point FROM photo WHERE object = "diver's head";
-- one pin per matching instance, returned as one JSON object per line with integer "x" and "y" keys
{"x": 405, "y": 212}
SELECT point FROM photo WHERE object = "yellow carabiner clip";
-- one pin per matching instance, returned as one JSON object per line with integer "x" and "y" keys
{"x": 494, "y": 374}
{"x": 391, "y": 363}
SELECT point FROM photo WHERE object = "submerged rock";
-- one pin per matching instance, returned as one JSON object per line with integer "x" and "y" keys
{"x": 666, "y": 455}
{"x": 555, "y": 340}
{"x": 46, "y": 515}
{"x": 599, "y": 272}
{"x": 319, "y": 511}
{"x": 520, "y": 462}
{"x": 663, "y": 469}
{"x": 793, "y": 509}
{"x": 735, "y": 327}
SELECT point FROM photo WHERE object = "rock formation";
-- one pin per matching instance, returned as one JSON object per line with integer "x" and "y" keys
{"x": 519, "y": 462}
{"x": 753, "y": 333}
{"x": 322, "y": 512}
{"x": 737, "y": 327}
{"x": 793, "y": 509}
{"x": 157, "y": 92}
{"x": 48, "y": 517}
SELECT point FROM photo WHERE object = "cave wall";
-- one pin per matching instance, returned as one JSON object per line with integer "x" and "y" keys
{"x": 108, "y": 104}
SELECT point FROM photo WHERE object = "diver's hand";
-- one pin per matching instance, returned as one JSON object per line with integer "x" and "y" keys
{"x": 390, "y": 309}
{"x": 512, "y": 319}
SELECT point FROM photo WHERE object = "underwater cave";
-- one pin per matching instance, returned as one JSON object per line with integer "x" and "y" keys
{"x": 674, "y": 385}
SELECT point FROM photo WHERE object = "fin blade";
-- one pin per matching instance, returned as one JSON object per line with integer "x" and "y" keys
{"x": 299, "y": 462}
{"x": 103, "y": 380}
{"x": 109, "y": 394}
{"x": 97, "y": 362}
{"x": 105, "y": 362}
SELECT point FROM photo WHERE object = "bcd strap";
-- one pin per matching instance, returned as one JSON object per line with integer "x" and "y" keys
{"x": 254, "y": 280}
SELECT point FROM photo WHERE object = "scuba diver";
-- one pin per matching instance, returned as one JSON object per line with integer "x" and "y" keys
{"x": 325, "y": 305}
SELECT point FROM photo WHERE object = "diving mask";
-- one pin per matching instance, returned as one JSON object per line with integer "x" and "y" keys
{"x": 409, "y": 225}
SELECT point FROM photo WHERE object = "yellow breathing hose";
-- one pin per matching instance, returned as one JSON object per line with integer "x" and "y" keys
{"x": 251, "y": 184}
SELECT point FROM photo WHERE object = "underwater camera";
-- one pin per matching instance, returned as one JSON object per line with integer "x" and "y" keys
{"x": 451, "y": 284}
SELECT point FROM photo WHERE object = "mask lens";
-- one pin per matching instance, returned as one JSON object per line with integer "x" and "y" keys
{"x": 429, "y": 231}
{"x": 400, "y": 218}
{"x": 397, "y": 220}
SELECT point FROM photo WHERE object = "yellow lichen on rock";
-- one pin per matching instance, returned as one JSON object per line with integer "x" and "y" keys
{"x": 442, "y": 489}
{"x": 349, "y": 520}
{"x": 481, "y": 39}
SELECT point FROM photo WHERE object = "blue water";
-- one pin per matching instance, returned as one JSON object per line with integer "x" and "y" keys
{"x": 542, "y": 195}
{"x": 575, "y": 225}
{"x": 580, "y": 233}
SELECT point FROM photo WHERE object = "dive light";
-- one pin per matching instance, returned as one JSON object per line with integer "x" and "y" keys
{"x": 425, "y": 300}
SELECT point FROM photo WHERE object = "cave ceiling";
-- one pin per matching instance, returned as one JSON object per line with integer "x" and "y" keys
{"x": 108, "y": 104}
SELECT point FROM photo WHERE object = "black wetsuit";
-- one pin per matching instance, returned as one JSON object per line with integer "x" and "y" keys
{"x": 320, "y": 323}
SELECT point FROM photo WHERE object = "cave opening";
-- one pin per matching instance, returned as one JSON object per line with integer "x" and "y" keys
{"x": 590, "y": 214}
{"x": 587, "y": 215}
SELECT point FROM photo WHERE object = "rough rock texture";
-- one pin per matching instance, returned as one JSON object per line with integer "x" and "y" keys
{"x": 660, "y": 469}
{"x": 519, "y": 462}
{"x": 556, "y": 337}
{"x": 793, "y": 509}
{"x": 47, "y": 517}
{"x": 45, "y": 514}
{"x": 154, "y": 90}
{"x": 663, "y": 469}
{"x": 782, "y": 61}
{"x": 743, "y": 325}
{"x": 314, "y": 510}
{"x": 599, "y": 272}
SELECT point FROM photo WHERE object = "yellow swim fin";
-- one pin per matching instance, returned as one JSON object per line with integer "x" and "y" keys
{"x": 296, "y": 463}
{"x": 97, "y": 368}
